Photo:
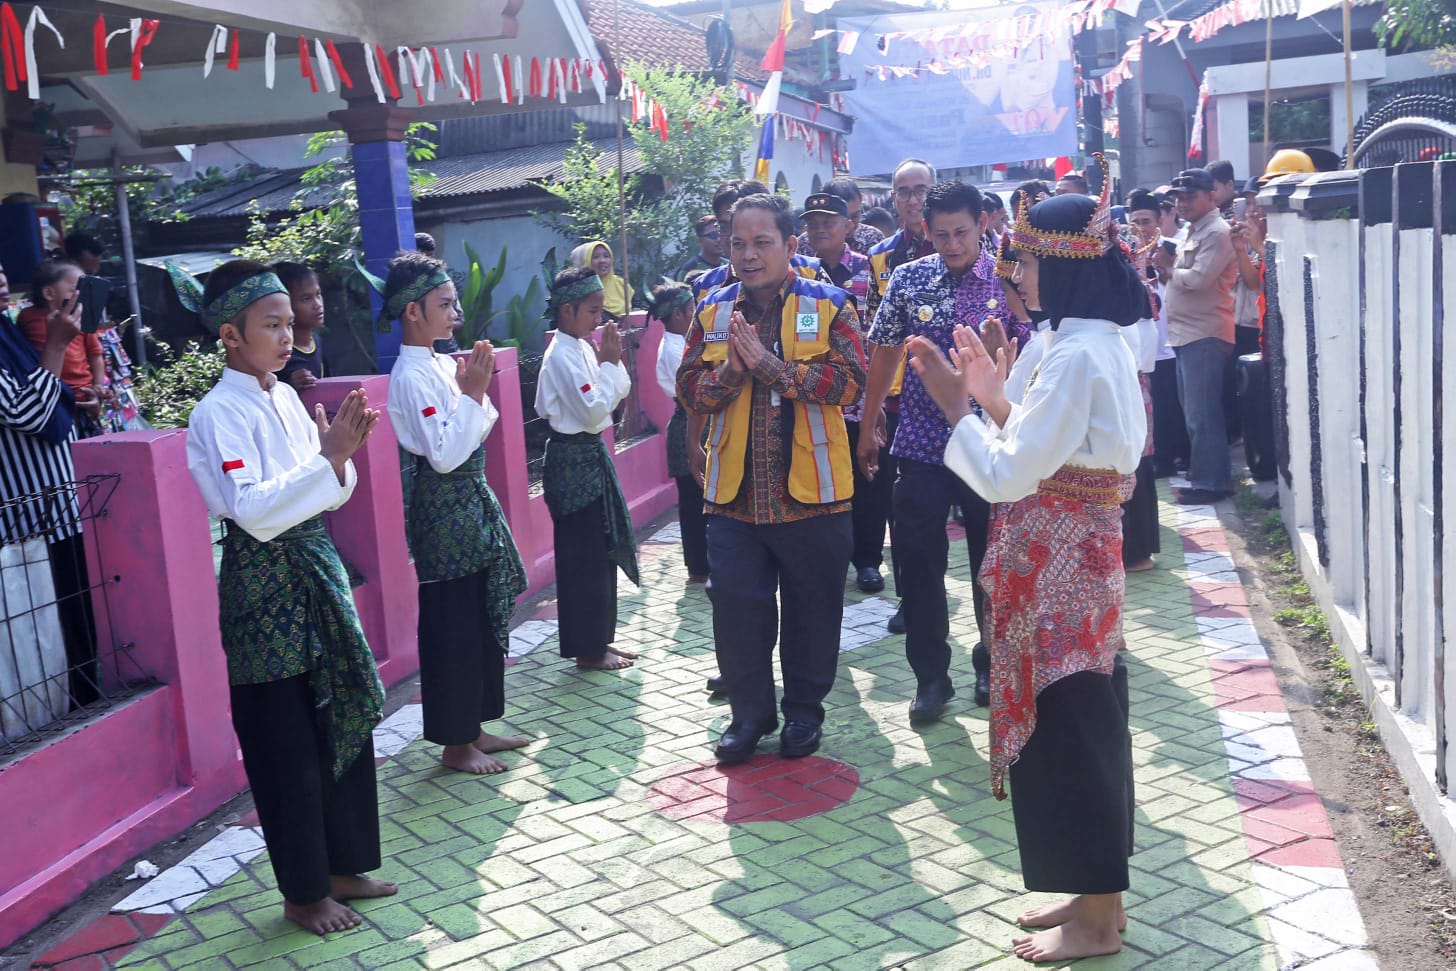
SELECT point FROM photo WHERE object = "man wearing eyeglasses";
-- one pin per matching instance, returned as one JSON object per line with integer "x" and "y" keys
{"x": 861, "y": 236}
{"x": 710, "y": 248}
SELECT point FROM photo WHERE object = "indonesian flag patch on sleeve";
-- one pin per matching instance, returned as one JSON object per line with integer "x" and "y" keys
{"x": 428, "y": 411}
{"x": 232, "y": 465}
{"x": 586, "y": 389}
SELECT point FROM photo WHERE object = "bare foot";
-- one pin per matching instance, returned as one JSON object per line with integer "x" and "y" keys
{"x": 1141, "y": 566}
{"x": 468, "y": 758}
{"x": 355, "y": 886}
{"x": 621, "y": 653}
{"x": 499, "y": 743}
{"x": 1067, "y": 943}
{"x": 1054, "y": 915}
{"x": 610, "y": 661}
{"x": 322, "y": 917}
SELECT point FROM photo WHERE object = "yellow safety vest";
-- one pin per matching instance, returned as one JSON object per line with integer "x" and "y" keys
{"x": 820, "y": 466}
{"x": 880, "y": 272}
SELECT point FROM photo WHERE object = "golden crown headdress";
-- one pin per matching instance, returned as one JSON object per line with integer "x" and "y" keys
{"x": 1005, "y": 263}
{"x": 1093, "y": 241}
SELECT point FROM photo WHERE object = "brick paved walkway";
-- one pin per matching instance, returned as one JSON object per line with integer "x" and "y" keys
{"x": 614, "y": 843}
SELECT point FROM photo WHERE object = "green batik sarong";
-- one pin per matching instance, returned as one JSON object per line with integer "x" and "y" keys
{"x": 677, "y": 443}
{"x": 578, "y": 471}
{"x": 286, "y": 610}
{"x": 457, "y": 528}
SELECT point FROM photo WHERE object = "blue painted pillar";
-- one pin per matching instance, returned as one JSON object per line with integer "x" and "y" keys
{"x": 386, "y": 215}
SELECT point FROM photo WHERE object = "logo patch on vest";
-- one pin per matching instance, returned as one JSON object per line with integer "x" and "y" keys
{"x": 806, "y": 326}
{"x": 714, "y": 336}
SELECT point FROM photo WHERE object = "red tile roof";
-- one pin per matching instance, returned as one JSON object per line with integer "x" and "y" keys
{"x": 657, "y": 39}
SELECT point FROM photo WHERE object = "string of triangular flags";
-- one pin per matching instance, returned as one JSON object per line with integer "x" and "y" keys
{"x": 817, "y": 141}
{"x": 425, "y": 69}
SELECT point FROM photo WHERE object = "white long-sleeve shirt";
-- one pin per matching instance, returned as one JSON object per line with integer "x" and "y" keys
{"x": 1028, "y": 361}
{"x": 255, "y": 456}
{"x": 431, "y": 417}
{"x": 575, "y": 393}
{"x": 669, "y": 358}
{"x": 1085, "y": 408}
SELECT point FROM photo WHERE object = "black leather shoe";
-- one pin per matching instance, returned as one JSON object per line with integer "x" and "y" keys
{"x": 929, "y": 703}
{"x": 983, "y": 689}
{"x": 896, "y": 624}
{"x": 869, "y": 580}
{"x": 715, "y": 685}
{"x": 799, "y": 739}
{"x": 738, "y": 743}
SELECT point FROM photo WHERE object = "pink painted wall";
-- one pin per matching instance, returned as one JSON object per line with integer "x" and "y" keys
{"x": 90, "y": 800}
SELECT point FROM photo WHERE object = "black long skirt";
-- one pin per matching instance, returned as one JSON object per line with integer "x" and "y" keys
{"x": 462, "y": 665}
{"x": 314, "y": 825}
{"x": 1072, "y": 788}
{"x": 1140, "y": 516}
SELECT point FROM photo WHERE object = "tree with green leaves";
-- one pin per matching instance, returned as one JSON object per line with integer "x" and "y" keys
{"x": 1415, "y": 24}
{"x": 708, "y": 132}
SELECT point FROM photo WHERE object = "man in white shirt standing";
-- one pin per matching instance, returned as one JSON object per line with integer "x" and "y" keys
{"x": 1200, "y": 297}
{"x": 579, "y": 387}
{"x": 469, "y": 571}
{"x": 305, "y": 694}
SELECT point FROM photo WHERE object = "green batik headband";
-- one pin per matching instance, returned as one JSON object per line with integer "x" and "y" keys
{"x": 240, "y": 297}
{"x": 669, "y": 305}
{"x": 572, "y": 292}
{"x": 415, "y": 291}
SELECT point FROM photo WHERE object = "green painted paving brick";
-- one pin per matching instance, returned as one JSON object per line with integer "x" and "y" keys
{"x": 587, "y": 923}
{"x": 715, "y": 925}
{"x": 784, "y": 928}
{"x": 598, "y": 953}
{"x": 925, "y": 925}
{"x": 853, "y": 928}
{"x": 211, "y": 948}
{"x": 1197, "y": 928}
{"x": 653, "y": 923}
{"x": 480, "y": 951}
{"x": 524, "y": 922}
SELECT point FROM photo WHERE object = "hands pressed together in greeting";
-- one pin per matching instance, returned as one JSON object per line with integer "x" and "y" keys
{"x": 745, "y": 350}
{"x": 977, "y": 368}
{"x": 346, "y": 434}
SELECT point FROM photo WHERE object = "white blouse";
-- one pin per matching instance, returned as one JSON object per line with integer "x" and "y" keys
{"x": 1028, "y": 361}
{"x": 575, "y": 393}
{"x": 255, "y": 456}
{"x": 1084, "y": 408}
{"x": 431, "y": 417}
{"x": 669, "y": 359}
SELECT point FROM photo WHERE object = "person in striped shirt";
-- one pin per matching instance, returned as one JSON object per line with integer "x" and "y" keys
{"x": 37, "y": 479}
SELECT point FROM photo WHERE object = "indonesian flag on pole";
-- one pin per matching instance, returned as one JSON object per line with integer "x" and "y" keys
{"x": 773, "y": 62}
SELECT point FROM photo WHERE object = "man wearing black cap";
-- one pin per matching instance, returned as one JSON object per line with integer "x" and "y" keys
{"x": 1200, "y": 298}
{"x": 827, "y": 226}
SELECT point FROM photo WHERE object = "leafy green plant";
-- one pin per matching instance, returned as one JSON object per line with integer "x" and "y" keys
{"x": 1417, "y": 23}
{"x": 477, "y": 299}
{"x": 167, "y": 394}
{"x": 709, "y": 131}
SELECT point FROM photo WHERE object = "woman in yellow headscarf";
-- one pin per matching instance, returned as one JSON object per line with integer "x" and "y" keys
{"x": 598, "y": 255}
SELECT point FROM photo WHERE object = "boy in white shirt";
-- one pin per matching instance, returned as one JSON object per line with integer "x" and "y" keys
{"x": 466, "y": 560}
{"x": 305, "y": 692}
{"x": 672, "y": 303}
{"x": 579, "y": 386}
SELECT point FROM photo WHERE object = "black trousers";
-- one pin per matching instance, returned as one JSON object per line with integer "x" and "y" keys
{"x": 586, "y": 583}
{"x": 1140, "y": 516}
{"x": 924, "y": 495}
{"x": 1072, "y": 787}
{"x": 1170, "y": 429}
{"x": 78, "y": 622}
{"x": 315, "y": 825}
{"x": 805, "y": 561}
{"x": 873, "y": 507}
{"x": 462, "y": 666}
{"x": 693, "y": 525}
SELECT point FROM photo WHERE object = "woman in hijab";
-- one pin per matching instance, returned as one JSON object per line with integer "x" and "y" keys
{"x": 1059, "y": 463}
{"x": 598, "y": 255}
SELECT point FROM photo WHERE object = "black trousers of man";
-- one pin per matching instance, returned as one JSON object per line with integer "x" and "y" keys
{"x": 874, "y": 503}
{"x": 751, "y": 565}
{"x": 1170, "y": 429}
{"x": 924, "y": 495}
{"x": 315, "y": 826}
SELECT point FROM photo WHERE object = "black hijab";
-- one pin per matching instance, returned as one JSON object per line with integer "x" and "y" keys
{"x": 1105, "y": 288}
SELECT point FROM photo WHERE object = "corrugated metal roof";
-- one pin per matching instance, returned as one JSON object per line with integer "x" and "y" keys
{"x": 1192, "y": 11}
{"x": 467, "y": 175}
{"x": 456, "y": 177}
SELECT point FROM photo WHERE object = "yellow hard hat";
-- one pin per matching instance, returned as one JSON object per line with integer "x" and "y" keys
{"x": 1287, "y": 161}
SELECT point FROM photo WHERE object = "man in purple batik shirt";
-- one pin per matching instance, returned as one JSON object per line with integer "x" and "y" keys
{"x": 929, "y": 297}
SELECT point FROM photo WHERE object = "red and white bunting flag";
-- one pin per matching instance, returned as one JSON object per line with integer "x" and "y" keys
{"x": 216, "y": 44}
{"x": 773, "y": 62}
